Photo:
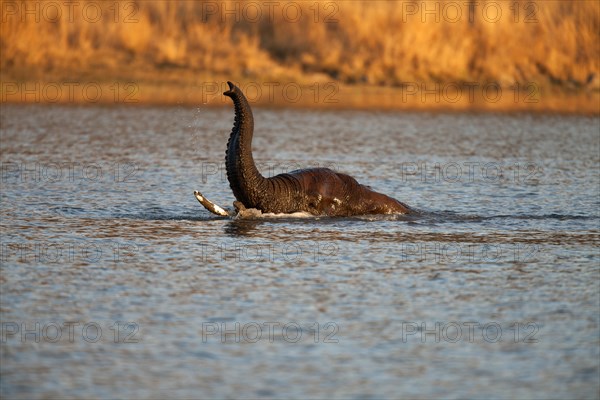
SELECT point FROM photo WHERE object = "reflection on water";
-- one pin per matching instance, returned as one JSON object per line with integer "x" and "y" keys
{"x": 117, "y": 283}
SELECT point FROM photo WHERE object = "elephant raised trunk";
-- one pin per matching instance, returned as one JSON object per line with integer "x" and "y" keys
{"x": 246, "y": 182}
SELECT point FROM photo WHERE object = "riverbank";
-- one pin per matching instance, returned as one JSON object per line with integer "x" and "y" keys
{"x": 318, "y": 94}
{"x": 485, "y": 55}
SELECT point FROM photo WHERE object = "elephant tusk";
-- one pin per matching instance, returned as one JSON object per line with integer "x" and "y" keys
{"x": 210, "y": 206}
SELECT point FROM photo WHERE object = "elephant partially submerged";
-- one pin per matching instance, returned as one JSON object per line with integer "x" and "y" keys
{"x": 318, "y": 191}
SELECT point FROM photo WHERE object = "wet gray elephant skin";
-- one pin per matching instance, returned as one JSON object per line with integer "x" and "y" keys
{"x": 318, "y": 191}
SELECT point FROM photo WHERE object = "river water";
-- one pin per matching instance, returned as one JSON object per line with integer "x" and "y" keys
{"x": 115, "y": 282}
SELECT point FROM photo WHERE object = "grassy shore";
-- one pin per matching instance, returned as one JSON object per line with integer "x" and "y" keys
{"x": 484, "y": 55}
{"x": 321, "y": 95}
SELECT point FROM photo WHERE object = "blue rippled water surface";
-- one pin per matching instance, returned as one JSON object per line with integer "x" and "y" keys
{"x": 115, "y": 282}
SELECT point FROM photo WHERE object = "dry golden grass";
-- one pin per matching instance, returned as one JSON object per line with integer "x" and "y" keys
{"x": 555, "y": 44}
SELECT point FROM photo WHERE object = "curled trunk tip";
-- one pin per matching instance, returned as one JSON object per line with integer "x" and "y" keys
{"x": 232, "y": 89}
